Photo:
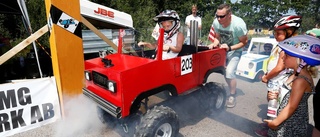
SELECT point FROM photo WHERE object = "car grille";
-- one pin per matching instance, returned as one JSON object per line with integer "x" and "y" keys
{"x": 100, "y": 79}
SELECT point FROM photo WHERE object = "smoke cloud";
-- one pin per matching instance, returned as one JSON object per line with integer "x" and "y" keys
{"x": 80, "y": 117}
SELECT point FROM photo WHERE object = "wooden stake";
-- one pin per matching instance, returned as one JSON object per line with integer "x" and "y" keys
{"x": 97, "y": 32}
{"x": 23, "y": 44}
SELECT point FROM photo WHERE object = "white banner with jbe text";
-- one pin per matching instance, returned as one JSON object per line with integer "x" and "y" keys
{"x": 28, "y": 104}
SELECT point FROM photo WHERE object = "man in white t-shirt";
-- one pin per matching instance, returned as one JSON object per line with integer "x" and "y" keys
{"x": 189, "y": 18}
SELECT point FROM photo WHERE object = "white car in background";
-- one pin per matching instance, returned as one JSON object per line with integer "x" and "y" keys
{"x": 253, "y": 62}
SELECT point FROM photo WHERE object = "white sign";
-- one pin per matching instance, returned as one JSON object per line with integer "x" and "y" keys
{"x": 28, "y": 104}
{"x": 186, "y": 64}
{"x": 105, "y": 14}
{"x": 67, "y": 22}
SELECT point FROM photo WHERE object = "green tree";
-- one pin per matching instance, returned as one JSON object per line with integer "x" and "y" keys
{"x": 256, "y": 13}
{"x": 37, "y": 15}
{"x": 263, "y": 13}
{"x": 13, "y": 28}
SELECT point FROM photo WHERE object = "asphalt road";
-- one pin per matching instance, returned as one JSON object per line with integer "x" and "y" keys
{"x": 81, "y": 118}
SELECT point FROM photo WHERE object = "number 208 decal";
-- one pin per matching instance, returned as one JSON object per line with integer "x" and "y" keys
{"x": 186, "y": 64}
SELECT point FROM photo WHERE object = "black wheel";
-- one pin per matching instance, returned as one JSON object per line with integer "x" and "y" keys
{"x": 259, "y": 76}
{"x": 159, "y": 121}
{"x": 106, "y": 118}
{"x": 217, "y": 96}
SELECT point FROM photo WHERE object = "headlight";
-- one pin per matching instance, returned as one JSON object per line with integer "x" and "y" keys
{"x": 250, "y": 66}
{"x": 87, "y": 75}
{"x": 112, "y": 86}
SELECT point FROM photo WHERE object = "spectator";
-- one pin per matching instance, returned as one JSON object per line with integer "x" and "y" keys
{"x": 293, "y": 117}
{"x": 189, "y": 18}
{"x": 315, "y": 31}
{"x": 316, "y": 97}
{"x": 168, "y": 20}
{"x": 284, "y": 27}
{"x": 267, "y": 49}
{"x": 231, "y": 32}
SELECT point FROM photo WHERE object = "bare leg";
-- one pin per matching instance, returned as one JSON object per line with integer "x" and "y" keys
{"x": 232, "y": 84}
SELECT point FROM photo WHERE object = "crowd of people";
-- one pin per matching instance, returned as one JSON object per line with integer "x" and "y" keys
{"x": 291, "y": 66}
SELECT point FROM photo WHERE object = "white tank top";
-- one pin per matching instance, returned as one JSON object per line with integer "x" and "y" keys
{"x": 173, "y": 42}
{"x": 273, "y": 59}
{"x": 272, "y": 63}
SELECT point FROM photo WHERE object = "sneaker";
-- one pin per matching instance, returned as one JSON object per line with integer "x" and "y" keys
{"x": 263, "y": 126}
{"x": 231, "y": 102}
{"x": 261, "y": 132}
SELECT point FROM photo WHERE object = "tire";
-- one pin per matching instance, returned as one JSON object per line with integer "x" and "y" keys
{"x": 159, "y": 121}
{"x": 217, "y": 97}
{"x": 106, "y": 118}
{"x": 259, "y": 76}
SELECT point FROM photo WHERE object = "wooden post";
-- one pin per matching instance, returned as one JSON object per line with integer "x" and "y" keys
{"x": 66, "y": 45}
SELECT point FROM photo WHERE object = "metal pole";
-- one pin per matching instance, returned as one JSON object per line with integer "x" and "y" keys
{"x": 24, "y": 11}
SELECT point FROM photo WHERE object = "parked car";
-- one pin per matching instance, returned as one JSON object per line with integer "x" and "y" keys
{"x": 253, "y": 64}
{"x": 245, "y": 48}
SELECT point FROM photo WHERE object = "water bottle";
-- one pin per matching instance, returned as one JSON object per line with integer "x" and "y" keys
{"x": 273, "y": 103}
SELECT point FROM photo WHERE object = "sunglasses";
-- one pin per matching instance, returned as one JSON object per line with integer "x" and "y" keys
{"x": 221, "y": 17}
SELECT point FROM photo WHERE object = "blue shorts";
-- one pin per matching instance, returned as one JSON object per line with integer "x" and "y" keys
{"x": 232, "y": 63}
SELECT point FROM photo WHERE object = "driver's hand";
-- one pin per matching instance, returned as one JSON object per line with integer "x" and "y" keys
{"x": 141, "y": 43}
{"x": 165, "y": 47}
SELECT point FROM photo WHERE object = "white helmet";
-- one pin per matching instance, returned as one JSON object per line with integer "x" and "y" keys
{"x": 169, "y": 15}
{"x": 304, "y": 47}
